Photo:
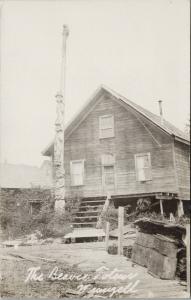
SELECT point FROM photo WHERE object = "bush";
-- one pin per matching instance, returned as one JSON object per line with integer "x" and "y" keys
{"x": 181, "y": 264}
{"x": 111, "y": 216}
{"x": 16, "y": 220}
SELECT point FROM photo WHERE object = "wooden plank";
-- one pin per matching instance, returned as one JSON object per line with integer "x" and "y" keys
{"x": 140, "y": 255}
{"x": 164, "y": 197}
{"x": 145, "y": 239}
{"x": 120, "y": 229}
{"x": 165, "y": 246}
{"x": 180, "y": 208}
{"x": 162, "y": 266}
{"x": 161, "y": 207}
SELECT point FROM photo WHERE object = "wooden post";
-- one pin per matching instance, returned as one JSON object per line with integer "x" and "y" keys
{"x": 31, "y": 210}
{"x": 161, "y": 207}
{"x": 120, "y": 229}
{"x": 187, "y": 241}
{"x": 180, "y": 208}
{"x": 107, "y": 236}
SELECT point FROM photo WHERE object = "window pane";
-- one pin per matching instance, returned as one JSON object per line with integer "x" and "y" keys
{"x": 147, "y": 172}
{"x": 141, "y": 175}
{"x": 106, "y": 128}
{"x": 107, "y": 132}
{"x": 140, "y": 162}
{"x": 78, "y": 180}
{"x": 77, "y": 168}
{"x": 106, "y": 122}
{"x": 146, "y": 161}
{"x": 77, "y": 173}
{"x": 143, "y": 167}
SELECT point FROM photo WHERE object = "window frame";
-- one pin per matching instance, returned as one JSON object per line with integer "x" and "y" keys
{"x": 101, "y": 128}
{"x": 148, "y": 154}
{"x": 71, "y": 173}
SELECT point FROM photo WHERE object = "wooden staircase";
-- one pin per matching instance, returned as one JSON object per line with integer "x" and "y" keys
{"x": 85, "y": 221}
{"x": 89, "y": 211}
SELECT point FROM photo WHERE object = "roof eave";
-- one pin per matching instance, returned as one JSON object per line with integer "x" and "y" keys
{"x": 179, "y": 139}
{"x": 47, "y": 151}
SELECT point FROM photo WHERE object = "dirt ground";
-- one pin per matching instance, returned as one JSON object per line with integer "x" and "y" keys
{"x": 78, "y": 270}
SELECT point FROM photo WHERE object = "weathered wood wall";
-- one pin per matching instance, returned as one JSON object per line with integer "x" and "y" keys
{"x": 182, "y": 169}
{"x": 131, "y": 138}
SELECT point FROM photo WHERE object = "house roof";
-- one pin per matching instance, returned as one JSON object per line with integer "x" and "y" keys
{"x": 166, "y": 126}
{"x": 24, "y": 176}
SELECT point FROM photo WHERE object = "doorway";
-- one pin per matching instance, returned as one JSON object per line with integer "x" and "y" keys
{"x": 109, "y": 178}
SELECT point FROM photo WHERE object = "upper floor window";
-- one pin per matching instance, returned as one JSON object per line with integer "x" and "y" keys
{"x": 106, "y": 126}
{"x": 77, "y": 172}
{"x": 143, "y": 166}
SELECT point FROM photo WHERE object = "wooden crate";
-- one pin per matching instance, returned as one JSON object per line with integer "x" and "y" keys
{"x": 161, "y": 266}
{"x": 145, "y": 239}
{"x": 157, "y": 253}
{"x": 165, "y": 246}
{"x": 140, "y": 255}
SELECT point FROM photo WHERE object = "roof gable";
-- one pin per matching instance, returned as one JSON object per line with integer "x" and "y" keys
{"x": 90, "y": 104}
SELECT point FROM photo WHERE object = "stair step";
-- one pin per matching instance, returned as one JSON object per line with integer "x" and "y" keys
{"x": 94, "y": 198}
{"x": 85, "y": 233}
{"x": 89, "y": 207}
{"x": 92, "y": 202}
{"x": 87, "y": 212}
{"x": 89, "y": 224}
{"x": 86, "y": 217}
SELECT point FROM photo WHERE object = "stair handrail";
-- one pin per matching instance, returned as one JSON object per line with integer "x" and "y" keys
{"x": 103, "y": 212}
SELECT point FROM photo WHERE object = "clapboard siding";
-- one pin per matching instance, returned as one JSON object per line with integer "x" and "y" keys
{"x": 131, "y": 138}
{"x": 182, "y": 169}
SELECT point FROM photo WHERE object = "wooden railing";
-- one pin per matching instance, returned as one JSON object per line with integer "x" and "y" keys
{"x": 103, "y": 212}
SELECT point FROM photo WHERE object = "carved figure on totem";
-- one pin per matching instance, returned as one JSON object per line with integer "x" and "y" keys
{"x": 60, "y": 112}
{"x": 59, "y": 206}
{"x": 58, "y": 153}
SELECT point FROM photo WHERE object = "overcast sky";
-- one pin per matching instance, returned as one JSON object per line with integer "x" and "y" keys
{"x": 140, "y": 48}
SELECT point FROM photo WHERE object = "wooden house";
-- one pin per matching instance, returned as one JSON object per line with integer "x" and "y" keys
{"x": 114, "y": 145}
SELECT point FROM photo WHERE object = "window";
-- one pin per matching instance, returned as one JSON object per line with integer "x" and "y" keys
{"x": 143, "y": 167}
{"x": 35, "y": 207}
{"x": 106, "y": 126}
{"x": 77, "y": 172}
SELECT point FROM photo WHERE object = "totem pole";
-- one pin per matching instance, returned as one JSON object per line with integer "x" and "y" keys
{"x": 59, "y": 184}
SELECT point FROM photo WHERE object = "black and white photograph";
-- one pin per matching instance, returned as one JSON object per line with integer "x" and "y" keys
{"x": 95, "y": 149}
